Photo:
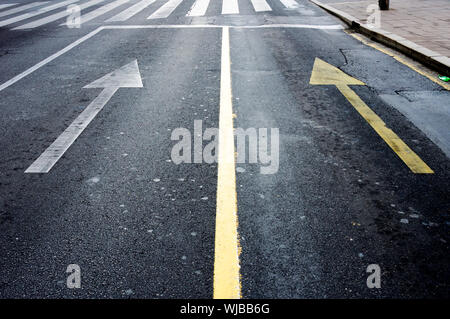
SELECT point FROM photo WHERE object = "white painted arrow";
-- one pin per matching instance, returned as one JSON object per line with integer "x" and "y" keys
{"x": 126, "y": 76}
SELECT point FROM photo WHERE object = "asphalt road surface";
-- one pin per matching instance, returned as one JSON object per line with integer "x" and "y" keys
{"x": 354, "y": 175}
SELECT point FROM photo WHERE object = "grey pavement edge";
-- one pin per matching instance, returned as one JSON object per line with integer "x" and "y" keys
{"x": 428, "y": 57}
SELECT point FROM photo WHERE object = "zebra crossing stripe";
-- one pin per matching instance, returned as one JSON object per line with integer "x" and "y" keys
{"x": 199, "y": 8}
{"x": 55, "y": 16}
{"x": 261, "y": 5}
{"x": 230, "y": 7}
{"x": 131, "y": 11}
{"x": 35, "y": 13}
{"x": 7, "y": 5}
{"x": 21, "y": 8}
{"x": 166, "y": 10}
{"x": 290, "y": 4}
{"x": 102, "y": 10}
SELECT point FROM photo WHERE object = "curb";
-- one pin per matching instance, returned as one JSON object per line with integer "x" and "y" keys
{"x": 430, "y": 58}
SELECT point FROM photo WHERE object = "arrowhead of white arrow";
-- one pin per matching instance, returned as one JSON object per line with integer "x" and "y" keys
{"x": 126, "y": 76}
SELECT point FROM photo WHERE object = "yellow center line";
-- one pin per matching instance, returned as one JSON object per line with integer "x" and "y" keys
{"x": 226, "y": 257}
{"x": 411, "y": 159}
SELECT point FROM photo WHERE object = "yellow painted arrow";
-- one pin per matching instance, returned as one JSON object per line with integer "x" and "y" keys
{"x": 324, "y": 73}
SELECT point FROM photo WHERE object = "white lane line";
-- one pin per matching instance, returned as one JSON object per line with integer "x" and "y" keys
{"x": 55, "y": 16}
{"x": 230, "y": 7}
{"x": 22, "y": 8}
{"x": 98, "y": 12}
{"x": 199, "y": 8}
{"x": 54, "y": 152}
{"x": 217, "y": 26}
{"x": 131, "y": 11}
{"x": 295, "y": 26}
{"x": 165, "y": 10}
{"x": 261, "y": 5}
{"x": 35, "y": 13}
{"x": 49, "y": 59}
{"x": 173, "y": 26}
{"x": 290, "y": 4}
{"x": 7, "y": 5}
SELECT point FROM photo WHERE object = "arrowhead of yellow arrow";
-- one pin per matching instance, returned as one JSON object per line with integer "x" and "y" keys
{"x": 324, "y": 73}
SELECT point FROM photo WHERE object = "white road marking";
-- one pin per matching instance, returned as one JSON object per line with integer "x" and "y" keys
{"x": 98, "y": 12}
{"x": 131, "y": 11}
{"x": 165, "y": 26}
{"x": 173, "y": 26}
{"x": 22, "y": 8}
{"x": 165, "y": 10}
{"x": 55, "y": 151}
{"x": 294, "y": 26}
{"x": 261, "y": 5}
{"x": 126, "y": 76}
{"x": 290, "y": 4}
{"x": 55, "y": 16}
{"x": 199, "y": 8}
{"x": 7, "y": 5}
{"x": 212, "y": 26}
{"x": 35, "y": 13}
{"x": 230, "y": 7}
{"x": 48, "y": 60}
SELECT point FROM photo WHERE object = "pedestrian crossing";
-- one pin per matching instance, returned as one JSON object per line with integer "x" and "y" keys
{"x": 6, "y": 5}
{"x": 21, "y": 8}
{"x": 199, "y": 8}
{"x": 261, "y": 5}
{"x": 230, "y": 7}
{"x": 131, "y": 11}
{"x": 29, "y": 15}
{"x": 20, "y": 16}
{"x": 102, "y": 10}
{"x": 166, "y": 9}
{"x": 56, "y": 16}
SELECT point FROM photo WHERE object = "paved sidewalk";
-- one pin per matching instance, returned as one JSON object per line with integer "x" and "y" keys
{"x": 426, "y": 23}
